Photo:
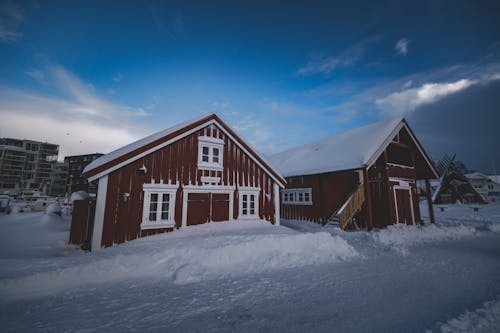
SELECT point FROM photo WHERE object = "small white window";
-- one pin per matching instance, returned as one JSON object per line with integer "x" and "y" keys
{"x": 249, "y": 203}
{"x": 159, "y": 206}
{"x": 210, "y": 153}
{"x": 297, "y": 196}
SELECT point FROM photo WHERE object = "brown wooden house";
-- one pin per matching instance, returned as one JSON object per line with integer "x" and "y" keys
{"x": 363, "y": 178}
{"x": 197, "y": 172}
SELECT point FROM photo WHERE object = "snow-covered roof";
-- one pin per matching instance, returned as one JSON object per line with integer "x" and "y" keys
{"x": 476, "y": 175}
{"x": 118, "y": 153}
{"x": 349, "y": 150}
{"x": 495, "y": 178}
{"x": 137, "y": 144}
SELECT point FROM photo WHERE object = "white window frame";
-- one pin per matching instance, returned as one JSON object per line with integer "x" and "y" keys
{"x": 160, "y": 189}
{"x": 292, "y": 196}
{"x": 211, "y": 143}
{"x": 248, "y": 191}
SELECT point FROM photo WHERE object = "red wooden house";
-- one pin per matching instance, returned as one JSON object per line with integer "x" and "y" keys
{"x": 365, "y": 177}
{"x": 193, "y": 173}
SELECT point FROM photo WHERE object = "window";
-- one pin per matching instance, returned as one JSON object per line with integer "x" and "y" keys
{"x": 210, "y": 153}
{"x": 159, "y": 205}
{"x": 249, "y": 203}
{"x": 297, "y": 196}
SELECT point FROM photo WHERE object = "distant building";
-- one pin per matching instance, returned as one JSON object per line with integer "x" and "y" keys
{"x": 75, "y": 181}
{"x": 485, "y": 186}
{"x": 455, "y": 187}
{"x": 26, "y": 164}
{"x": 58, "y": 182}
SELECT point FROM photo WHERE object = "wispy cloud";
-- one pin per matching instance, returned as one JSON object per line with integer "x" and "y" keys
{"x": 167, "y": 20}
{"x": 11, "y": 17}
{"x": 118, "y": 77}
{"x": 403, "y": 95}
{"x": 401, "y": 102}
{"x": 325, "y": 65}
{"x": 402, "y": 46}
{"x": 77, "y": 117}
{"x": 36, "y": 74}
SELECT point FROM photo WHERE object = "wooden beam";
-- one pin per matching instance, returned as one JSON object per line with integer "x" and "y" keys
{"x": 369, "y": 212}
{"x": 401, "y": 145}
{"x": 429, "y": 199}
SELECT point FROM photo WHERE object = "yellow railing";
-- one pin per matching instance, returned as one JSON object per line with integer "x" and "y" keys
{"x": 351, "y": 207}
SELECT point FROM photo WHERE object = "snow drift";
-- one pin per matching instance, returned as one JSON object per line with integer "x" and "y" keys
{"x": 189, "y": 255}
{"x": 403, "y": 236}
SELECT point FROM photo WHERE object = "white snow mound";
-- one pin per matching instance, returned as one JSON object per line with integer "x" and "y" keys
{"x": 403, "y": 236}
{"x": 484, "y": 319}
{"x": 79, "y": 195}
{"x": 189, "y": 255}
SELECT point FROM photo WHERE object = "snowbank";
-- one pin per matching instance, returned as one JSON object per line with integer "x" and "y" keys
{"x": 401, "y": 237}
{"x": 79, "y": 195}
{"x": 194, "y": 254}
{"x": 484, "y": 319}
{"x": 54, "y": 208}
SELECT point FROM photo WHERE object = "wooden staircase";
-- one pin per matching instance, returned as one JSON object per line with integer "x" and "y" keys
{"x": 344, "y": 217}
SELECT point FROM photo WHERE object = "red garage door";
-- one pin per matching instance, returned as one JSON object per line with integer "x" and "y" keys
{"x": 204, "y": 207}
{"x": 220, "y": 207}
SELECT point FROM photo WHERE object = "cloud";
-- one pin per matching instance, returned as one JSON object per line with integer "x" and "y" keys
{"x": 166, "y": 20}
{"x": 402, "y": 46}
{"x": 118, "y": 77}
{"x": 36, "y": 74}
{"x": 326, "y": 65}
{"x": 11, "y": 17}
{"x": 92, "y": 123}
{"x": 398, "y": 103}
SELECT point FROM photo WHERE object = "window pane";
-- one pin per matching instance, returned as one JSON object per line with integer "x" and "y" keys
{"x": 216, "y": 159}
{"x": 204, "y": 154}
{"x": 301, "y": 196}
{"x": 153, "y": 206}
{"x": 306, "y": 197}
{"x": 245, "y": 212}
{"x": 216, "y": 152}
{"x": 165, "y": 206}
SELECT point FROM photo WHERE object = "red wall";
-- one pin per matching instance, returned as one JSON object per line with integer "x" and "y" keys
{"x": 329, "y": 192}
{"x": 178, "y": 162}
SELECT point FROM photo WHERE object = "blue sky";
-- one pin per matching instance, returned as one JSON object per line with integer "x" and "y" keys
{"x": 95, "y": 75}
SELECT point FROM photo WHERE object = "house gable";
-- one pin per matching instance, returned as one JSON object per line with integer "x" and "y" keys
{"x": 139, "y": 149}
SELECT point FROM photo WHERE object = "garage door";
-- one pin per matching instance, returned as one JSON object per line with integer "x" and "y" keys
{"x": 204, "y": 207}
{"x": 220, "y": 207}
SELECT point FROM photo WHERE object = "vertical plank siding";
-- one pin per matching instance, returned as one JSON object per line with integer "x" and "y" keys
{"x": 331, "y": 189}
{"x": 177, "y": 163}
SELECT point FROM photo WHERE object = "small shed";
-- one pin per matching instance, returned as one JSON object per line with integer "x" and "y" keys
{"x": 196, "y": 172}
{"x": 363, "y": 178}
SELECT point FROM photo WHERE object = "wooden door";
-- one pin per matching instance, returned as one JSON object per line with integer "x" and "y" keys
{"x": 220, "y": 207}
{"x": 198, "y": 208}
{"x": 404, "y": 205}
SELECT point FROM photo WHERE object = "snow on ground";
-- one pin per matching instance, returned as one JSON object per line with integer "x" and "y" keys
{"x": 484, "y": 319}
{"x": 252, "y": 276}
{"x": 194, "y": 254}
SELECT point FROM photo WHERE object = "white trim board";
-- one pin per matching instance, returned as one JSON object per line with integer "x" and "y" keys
{"x": 183, "y": 135}
{"x": 100, "y": 207}
{"x": 374, "y": 157}
{"x": 404, "y": 188}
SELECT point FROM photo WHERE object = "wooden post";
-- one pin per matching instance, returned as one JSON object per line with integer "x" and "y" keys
{"x": 429, "y": 199}
{"x": 369, "y": 212}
